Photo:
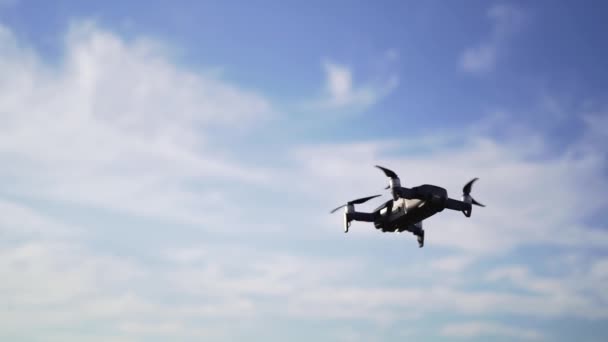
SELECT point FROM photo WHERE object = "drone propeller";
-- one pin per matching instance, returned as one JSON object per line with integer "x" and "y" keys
{"x": 466, "y": 193}
{"x": 387, "y": 172}
{"x": 394, "y": 182}
{"x": 357, "y": 201}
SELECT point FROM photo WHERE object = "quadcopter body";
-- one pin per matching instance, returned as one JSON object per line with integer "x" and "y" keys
{"x": 409, "y": 207}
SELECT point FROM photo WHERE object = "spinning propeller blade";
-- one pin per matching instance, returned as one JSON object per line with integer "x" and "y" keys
{"x": 392, "y": 175}
{"x": 466, "y": 191}
{"x": 467, "y": 187}
{"x": 387, "y": 172}
{"x": 333, "y": 211}
{"x": 357, "y": 201}
{"x": 477, "y": 203}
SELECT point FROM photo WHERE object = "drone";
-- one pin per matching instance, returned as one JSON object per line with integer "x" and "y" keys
{"x": 409, "y": 206}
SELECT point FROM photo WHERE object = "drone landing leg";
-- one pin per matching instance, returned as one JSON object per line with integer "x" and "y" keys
{"x": 356, "y": 216}
{"x": 419, "y": 232}
{"x": 421, "y": 238}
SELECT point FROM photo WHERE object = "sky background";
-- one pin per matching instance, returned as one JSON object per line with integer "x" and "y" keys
{"x": 168, "y": 170}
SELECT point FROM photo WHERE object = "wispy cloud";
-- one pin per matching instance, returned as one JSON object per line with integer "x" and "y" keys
{"x": 507, "y": 222}
{"x": 487, "y": 329}
{"x": 20, "y": 221}
{"x": 118, "y": 126}
{"x": 505, "y": 20}
{"x": 344, "y": 90}
{"x": 452, "y": 263}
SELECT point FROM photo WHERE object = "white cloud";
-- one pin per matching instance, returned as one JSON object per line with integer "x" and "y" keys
{"x": 117, "y": 125}
{"x": 63, "y": 287}
{"x": 480, "y": 58}
{"x": 516, "y": 180}
{"x": 452, "y": 264}
{"x": 343, "y": 91}
{"x": 506, "y": 20}
{"x": 230, "y": 281}
{"x": 349, "y": 335}
{"x": 102, "y": 129}
{"x": 579, "y": 285}
{"x": 114, "y": 124}
{"x": 521, "y": 277}
{"x": 56, "y": 284}
{"x": 514, "y": 184}
{"x": 170, "y": 329}
{"x": 510, "y": 171}
{"x": 311, "y": 288}
{"x": 477, "y": 329}
{"x": 20, "y": 221}
{"x": 339, "y": 82}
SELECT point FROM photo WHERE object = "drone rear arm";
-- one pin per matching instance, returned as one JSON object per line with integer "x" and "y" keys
{"x": 458, "y": 205}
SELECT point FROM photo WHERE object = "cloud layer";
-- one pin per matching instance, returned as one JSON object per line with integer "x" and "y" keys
{"x": 118, "y": 126}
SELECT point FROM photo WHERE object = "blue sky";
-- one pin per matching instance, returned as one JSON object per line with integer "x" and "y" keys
{"x": 167, "y": 170}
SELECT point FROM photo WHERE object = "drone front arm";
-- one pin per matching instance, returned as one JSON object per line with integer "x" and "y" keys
{"x": 356, "y": 216}
{"x": 405, "y": 192}
{"x": 359, "y": 216}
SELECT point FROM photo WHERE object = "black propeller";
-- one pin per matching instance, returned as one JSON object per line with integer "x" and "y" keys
{"x": 387, "y": 172}
{"x": 390, "y": 174}
{"x": 357, "y": 201}
{"x": 466, "y": 191}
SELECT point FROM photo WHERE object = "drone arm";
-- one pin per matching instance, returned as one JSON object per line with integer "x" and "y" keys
{"x": 359, "y": 216}
{"x": 405, "y": 192}
{"x": 457, "y": 205}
